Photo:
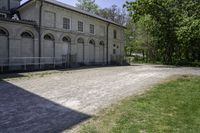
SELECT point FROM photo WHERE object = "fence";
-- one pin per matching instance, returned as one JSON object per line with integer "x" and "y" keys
{"x": 36, "y": 63}
{"x": 27, "y": 63}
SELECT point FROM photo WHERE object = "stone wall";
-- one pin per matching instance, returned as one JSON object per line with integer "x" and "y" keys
{"x": 58, "y": 42}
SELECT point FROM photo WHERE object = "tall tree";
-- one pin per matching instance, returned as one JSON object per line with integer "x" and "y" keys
{"x": 139, "y": 39}
{"x": 88, "y": 5}
{"x": 174, "y": 19}
{"x": 115, "y": 14}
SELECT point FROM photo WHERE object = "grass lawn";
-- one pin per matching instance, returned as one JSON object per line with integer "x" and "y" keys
{"x": 171, "y": 107}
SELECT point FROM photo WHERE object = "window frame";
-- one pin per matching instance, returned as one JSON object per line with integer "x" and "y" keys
{"x": 92, "y": 29}
{"x": 26, "y": 34}
{"x": 80, "y": 26}
{"x": 92, "y": 42}
{"x": 80, "y": 40}
{"x": 49, "y": 37}
{"x": 66, "y": 39}
{"x": 68, "y": 25}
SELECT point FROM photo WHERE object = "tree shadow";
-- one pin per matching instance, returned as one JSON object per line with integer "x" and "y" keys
{"x": 22, "y": 111}
{"x": 166, "y": 66}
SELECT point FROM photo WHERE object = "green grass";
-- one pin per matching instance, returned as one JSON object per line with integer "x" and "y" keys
{"x": 171, "y": 107}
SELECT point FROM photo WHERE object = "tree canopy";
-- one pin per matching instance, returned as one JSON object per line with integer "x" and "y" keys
{"x": 174, "y": 26}
{"x": 88, "y": 5}
{"x": 113, "y": 13}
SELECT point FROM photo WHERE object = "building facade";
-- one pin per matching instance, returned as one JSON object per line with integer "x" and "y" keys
{"x": 47, "y": 32}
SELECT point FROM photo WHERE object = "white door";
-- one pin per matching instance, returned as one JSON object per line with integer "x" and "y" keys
{"x": 65, "y": 48}
{"x": 92, "y": 53}
{"x": 27, "y": 49}
{"x": 48, "y": 51}
{"x": 101, "y": 54}
{"x": 80, "y": 58}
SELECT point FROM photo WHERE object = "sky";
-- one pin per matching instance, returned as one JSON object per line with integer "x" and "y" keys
{"x": 101, "y": 3}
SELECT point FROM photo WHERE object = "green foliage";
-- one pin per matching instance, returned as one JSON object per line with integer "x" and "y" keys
{"x": 88, "y": 5}
{"x": 141, "y": 40}
{"x": 174, "y": 27}
{"x": 113, "y": 13}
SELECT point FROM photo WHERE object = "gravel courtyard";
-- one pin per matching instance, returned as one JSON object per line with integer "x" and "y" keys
{"x": 57, "y": 102}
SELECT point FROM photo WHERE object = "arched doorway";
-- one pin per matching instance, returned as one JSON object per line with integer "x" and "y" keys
{"x": 101, "y": 52}
{"x": 49, "y": 48}
{"x": 80, "y": 50}
{"x": 4, "y": 48}
{"x": 92, "y": 51}
{"x": 66, "y": 49}
{"x": 66, "y": 45}
{"x": 27, "y": 46}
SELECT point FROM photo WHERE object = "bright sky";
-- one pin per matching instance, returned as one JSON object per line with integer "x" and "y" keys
{"x": 101, "y": 3}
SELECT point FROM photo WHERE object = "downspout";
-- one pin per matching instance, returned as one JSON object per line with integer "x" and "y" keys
{"x": 107, "y": 39}
{"x": 9, "y": 5}
{"x": 8, "y": 42}
{"x": 40, "y": 32}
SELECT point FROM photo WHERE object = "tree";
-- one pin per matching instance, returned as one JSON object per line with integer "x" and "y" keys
{"x": 130, "y": 39}
{"x": 88, "y": 5}
{"x": 176, "y": 34}
{"x": 139, "y": 39}
{"x": 188, "y": 32}
{"x": 115, "y": 14}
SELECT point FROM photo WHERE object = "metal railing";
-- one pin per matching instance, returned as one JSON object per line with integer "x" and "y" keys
{"x": 38, "y": 63}
{"x": 23, "y": 63}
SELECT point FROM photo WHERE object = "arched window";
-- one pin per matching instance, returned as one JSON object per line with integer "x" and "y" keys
{"x": 92, "y": 42}
{"x": 3, "y": 32}
{"x": 80, "y": 40}
{"x": 66, "y": 39}
{"x": 101, "y": 43}
{"x": 27, "y": 35}
{"x": 49, "y": 37}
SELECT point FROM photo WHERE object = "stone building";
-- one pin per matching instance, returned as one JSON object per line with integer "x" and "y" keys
{"x": 48, "y": 32}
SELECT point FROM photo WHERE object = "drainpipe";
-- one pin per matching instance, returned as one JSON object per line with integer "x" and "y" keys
{"x": 8, "y": 42}
{"x": 9, "y": 5}
{"x": 107, "y": 39}
{"x": 40, "y": 31}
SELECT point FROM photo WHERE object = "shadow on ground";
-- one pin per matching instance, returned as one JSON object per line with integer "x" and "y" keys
{"x": 166, "y": 66}
{"x": 10, "y": 76}
{"x": 22, "y": 111}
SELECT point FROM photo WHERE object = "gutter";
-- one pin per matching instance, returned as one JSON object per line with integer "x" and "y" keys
{"x": 107, "y": 38}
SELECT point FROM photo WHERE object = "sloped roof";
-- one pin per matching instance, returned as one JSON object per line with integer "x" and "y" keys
{"x": 72, "y": 8}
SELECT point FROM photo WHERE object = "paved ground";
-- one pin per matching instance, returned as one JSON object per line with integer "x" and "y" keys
{"x": 61, "y": 100}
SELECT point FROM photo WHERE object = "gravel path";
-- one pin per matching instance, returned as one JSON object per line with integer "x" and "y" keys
{"x": 59, "y": 101}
